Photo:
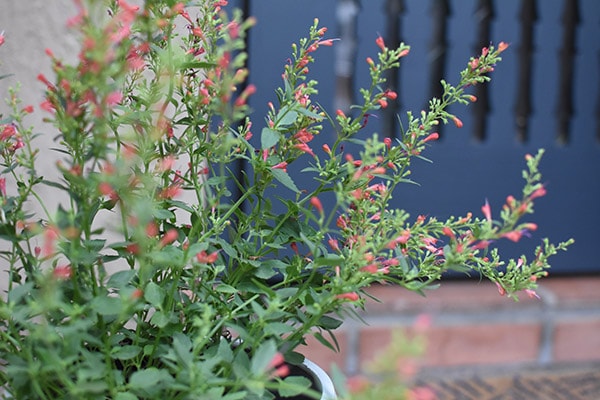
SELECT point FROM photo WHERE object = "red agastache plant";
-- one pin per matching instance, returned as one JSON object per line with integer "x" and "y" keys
{"x": 151, "y": 278}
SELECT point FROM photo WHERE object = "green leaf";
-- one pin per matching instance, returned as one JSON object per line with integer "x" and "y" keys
{"x": 224, "y": 351}
{"x": 183, "y": 346}
{"x": 310, "y": 114}
{"x": 269, "y": 138}
{"x": 270, "y": 268}
{"x": 293, "y": 386}
{"x": 285, "y": 179}
{"x": 143, "y": 378}
{"x": 196, "y": 64}
{"x": 225, "y": 288}
{"x": 159, "y": 319}
{"x": 106, "y": 305}
{"x": 125, "y": 396}
{"x": 330, "y": 259}
{"x": 162, "y": 214}
{"x": 324, "y": 341}
{"x": 18, "y": 292}
{"x": 154, "y": 294}
{"x": 125, "y": 352}
{"x": 329, "y": 322}
{"x": 148, "y": 381}
{"x": 285, "y": 117}
{"x": 95, "y": 244}
{"x": 263, "y": 356}
{"x": 121, "y": 279}
{"x": 277, "y": 328}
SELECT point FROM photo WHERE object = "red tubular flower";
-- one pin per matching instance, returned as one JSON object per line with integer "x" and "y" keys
{"x": 205, "y": 258}
{"x": 380, "y": 43}
{"x": 316, "y": 203}
{"x": 352, "y": 296}
{"x": 305, "y": 148}
{"x": 248, "y": 91}
{"x": 432, "y": 136}
{"x": 113, "y": 98}
{"x": 342, "y": 222}
{"x": 42, "y": 78}
{"x": 170, "y": 191}
{"x": 538, "y": 193}
{"x": 282, "y": 165}
{"x": 457, "y": 122}
{"x": 487, "y": 211}
{"x": 388, "y": 142}
{"x": 474, "y": 64}
{"x": 278, "y": 366}
{"x": 390, "y": 94}
{"x": 483, "y": 244}
{"x": 502, "y": 46}
{"x": 327, "y": 42}
{"x": 169, "y": 237}
{"x": 106, "y": 189}
{"x": 371, "y": 268}
{"x": 137, "y": 294}
{"x": 501, "y": 290}
{"x": 513, "y": 236}
{"x": 133, "y": 248}
{"x": 448, "y": 232}
{"x": 333, "y": 243}
{"x": 62, "y": 272}
{"x": 304, "y": 136}
{"x": 151, "y": 229}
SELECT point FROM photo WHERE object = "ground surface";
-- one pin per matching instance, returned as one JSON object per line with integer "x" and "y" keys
{"x": 566, "y": 382}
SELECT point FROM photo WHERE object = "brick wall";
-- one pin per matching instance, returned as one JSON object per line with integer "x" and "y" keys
{"x": 472, "y": 326}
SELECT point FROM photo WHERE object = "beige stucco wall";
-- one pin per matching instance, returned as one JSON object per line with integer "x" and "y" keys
{"x": 31, "y": 26}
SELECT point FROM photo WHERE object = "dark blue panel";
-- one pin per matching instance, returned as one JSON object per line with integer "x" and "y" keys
{"x": 466, "y": 172}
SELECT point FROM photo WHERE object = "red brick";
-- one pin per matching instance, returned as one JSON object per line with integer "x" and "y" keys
{"x": 577, "y": 340}
{"x": 574, "y": 291}
{"x": 450, "y": 296}
{"x": 474, "y": 344}
{"x": 324, "y": 356}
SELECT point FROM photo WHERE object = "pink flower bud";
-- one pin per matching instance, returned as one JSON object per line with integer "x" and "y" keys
{"x": 353, "y": 296}
{"x": 169, "y": 237}
{"x": 502, "y": 46}
{"x": 316, "y": 203}
{"x": 457, "y": 122}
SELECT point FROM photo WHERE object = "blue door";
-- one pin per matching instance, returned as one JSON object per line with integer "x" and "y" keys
{"x": 544, "y": 94}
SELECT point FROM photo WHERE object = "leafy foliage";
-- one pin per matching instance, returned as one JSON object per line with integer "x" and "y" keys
{"x": 165, "y": 273}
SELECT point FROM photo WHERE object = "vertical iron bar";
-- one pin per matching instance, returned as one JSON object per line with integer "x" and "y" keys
{"x": 345, "y": 53}
{"x": 393, "y": 10}
{"x": 484, "y": 15}
{"x": 564, "y": 112}
{"x": 523, "y": 107}
{"x": 598, "y": 107}
{"x": 440, "y": 12}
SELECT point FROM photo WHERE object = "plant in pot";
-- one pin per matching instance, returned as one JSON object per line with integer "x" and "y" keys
{"x": 160, "y": 269}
